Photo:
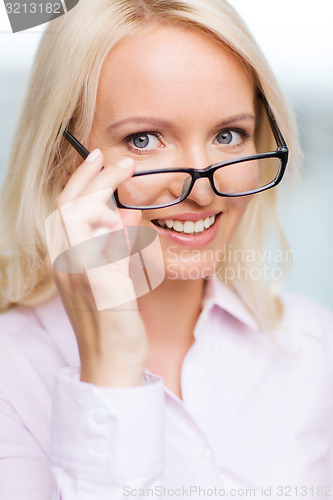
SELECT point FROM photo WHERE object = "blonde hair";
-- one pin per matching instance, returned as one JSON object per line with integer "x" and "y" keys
{"x": 62, "y": 90}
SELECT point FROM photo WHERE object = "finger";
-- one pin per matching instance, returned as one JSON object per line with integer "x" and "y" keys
{"x": 82, "y": 176}
{"x": 85, "y": 214}
{"x": 110, "y": 177}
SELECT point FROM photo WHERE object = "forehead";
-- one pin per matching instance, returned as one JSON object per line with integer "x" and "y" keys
{"x": 170, "y": 68}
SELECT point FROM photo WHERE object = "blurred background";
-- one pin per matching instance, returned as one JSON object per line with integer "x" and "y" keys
{"x": 297, "y": 38}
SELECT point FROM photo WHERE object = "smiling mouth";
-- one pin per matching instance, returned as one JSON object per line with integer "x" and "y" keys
{"x": 186, "y": 227}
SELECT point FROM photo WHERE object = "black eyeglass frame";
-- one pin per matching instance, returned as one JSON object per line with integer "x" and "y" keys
{"x": 281, "y": 152}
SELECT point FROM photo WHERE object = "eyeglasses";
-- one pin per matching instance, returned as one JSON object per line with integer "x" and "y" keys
{"x": 152, "y": 189}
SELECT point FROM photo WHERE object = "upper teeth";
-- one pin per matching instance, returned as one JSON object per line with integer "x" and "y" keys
{"x": 188, "y": 226}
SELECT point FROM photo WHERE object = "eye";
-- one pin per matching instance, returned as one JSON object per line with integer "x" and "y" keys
{"x": 230, "y": 137}
{"x": 143, "y": 141}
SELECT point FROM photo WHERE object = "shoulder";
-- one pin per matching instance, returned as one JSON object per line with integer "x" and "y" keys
{"x": 307, "y": 316}
{"x": 34, "y": 343}
{"x": 307, "y": 326}
{"x": 23, "y": 326}
{"x": 23, "y": 341}
{"x": 17, "y": 325}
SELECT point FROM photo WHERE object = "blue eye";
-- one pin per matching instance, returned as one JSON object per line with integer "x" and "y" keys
{"x": 144, "y": 141}
{"x": 228, "y": 137}
{"x": 141, "y": 141}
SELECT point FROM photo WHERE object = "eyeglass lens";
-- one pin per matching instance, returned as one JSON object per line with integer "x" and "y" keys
{"x": 164, "y": 188}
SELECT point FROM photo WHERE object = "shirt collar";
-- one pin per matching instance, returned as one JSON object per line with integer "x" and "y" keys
{"x": 219, "y": 294}
{"x": 53, "y": 317}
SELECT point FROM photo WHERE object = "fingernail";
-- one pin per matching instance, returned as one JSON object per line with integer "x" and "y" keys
{"x": 125, "y": 163}
{"x": 93, "y": 155}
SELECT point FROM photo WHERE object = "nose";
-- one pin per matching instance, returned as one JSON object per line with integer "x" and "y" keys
{"x": 201, "y": 192}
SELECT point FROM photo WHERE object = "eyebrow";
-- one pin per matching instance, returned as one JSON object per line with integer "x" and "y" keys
{"x": 157, "y": 122}
{"x": 237, "y": 118}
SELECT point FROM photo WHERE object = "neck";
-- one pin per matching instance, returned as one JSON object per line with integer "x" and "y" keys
{"x": 170, "y": 312}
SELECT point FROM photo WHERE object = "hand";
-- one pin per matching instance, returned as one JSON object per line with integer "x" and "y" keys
{"x": 112, "y": 341}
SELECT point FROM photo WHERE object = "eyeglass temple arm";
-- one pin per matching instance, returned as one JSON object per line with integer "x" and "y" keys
{"x": 275, "y": 128}
{"x": 76, "y": 144}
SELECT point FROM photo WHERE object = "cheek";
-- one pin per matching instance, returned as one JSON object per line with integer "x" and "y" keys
{"x": 128, "y": 217}
{"x": 233, "y": 213}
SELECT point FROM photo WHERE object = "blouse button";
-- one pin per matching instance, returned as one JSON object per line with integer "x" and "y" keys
{"x": 100, "y": 416}
{"x": 99, "y": 446}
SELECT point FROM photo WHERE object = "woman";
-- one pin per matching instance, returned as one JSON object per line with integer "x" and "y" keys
{"x": 121, "y": 377}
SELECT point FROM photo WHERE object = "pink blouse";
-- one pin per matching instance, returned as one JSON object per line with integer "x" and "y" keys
{"x": 256, "y": 419}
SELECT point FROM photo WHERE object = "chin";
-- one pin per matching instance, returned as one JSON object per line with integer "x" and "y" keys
{"x": 181, "y": 270}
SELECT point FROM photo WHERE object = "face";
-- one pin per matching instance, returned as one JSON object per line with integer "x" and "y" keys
{"x": 173, "y": 97}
